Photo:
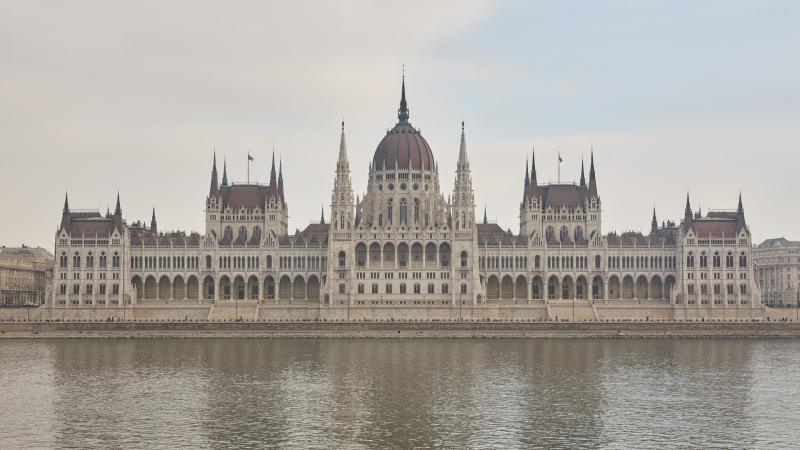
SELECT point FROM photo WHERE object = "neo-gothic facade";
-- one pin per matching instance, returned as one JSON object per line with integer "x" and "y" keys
{"x": 404, "y": 244}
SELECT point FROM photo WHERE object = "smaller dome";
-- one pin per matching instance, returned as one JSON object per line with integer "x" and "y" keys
{"x": 403, "y": 148}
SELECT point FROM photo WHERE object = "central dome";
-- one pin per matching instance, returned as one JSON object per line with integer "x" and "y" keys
{"x": 403, "y": 147}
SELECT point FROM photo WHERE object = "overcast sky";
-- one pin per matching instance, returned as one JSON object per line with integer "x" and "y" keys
{"x": 675, "y": 96}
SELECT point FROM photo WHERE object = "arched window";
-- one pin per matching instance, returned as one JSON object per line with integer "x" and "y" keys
{"x": 208, "y": 261}
{"x": 342, "y": 259}
{"x": 269, "y": 261}
{"x": 537, "y": 261}
{"x": 729, "y": 260}
{"x": 464, "y": 258}
{"x": 703, "y": 259}
{"x": 743, "y": 262}
{"x": 403, "y": 211}
{"x": 63, "y": 260}
{"x": 716, "y": 260}
{"x": 578, "y": 233}
{"x": 564, "y": 234}
{"x": 242, "y": 233}
{"x": 690, "y": 260}
{"x": 389, "y": 213}
{"x": 597, "y": 262}
{"x": 416, "y": 211}
{"x": 257, "y": 233}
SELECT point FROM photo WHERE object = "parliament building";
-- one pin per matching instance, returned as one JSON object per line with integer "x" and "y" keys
{"x": 405, "y": 244}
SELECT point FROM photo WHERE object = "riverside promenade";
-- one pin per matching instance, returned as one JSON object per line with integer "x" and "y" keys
{"x": 163, "y": 328}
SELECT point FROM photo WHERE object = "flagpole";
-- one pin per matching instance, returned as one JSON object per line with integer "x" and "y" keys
{"x": 248, "y": 167}
{"x": 559, "y": 167}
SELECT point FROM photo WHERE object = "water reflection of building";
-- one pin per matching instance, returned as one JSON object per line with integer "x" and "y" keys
{"x": 407, "y": 244}
{"x": 777, "y": 264}
{"x": 25, "y": 275}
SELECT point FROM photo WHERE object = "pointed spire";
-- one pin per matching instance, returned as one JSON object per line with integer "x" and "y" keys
{"x": 272, "y": 176}
{"x": 654, "y": 222}
{"x": 533, "y": 188}
{"x": 153, "y": 224}
{"x": 118, "y": 208}
{"x": 66, "y": 204}
{"x": 484, "y": 215}
{"x": 342, "y": 146}
{"x": 402, "y": 112}
{"x": 462, "y": 149}
{"x": 214, "y": 189}
{"x": 687, "y": 213}
{"x": 592, "y": 177}
{"x": 322, "y": 215}
{"x": 583, "y": 178}
{"x": 740, "y": 208}
{"x": 224, "y": 172}
{"x": 108, "y": 210}
{"x": 527, "y": 173}
{"x": 280, "y": 177}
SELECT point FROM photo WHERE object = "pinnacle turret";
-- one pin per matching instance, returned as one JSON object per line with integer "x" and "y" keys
{"x": 66, "y": 205}
{"x": 214, "y": 189}
{"x": 654, "y": 222}
{"x": 224, "y": 173}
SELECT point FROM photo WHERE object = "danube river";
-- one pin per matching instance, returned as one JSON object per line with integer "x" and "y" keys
{"x": 242, "y": 393}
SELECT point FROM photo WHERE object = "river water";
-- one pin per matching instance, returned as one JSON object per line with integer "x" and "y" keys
{"x": 247, "y": 393}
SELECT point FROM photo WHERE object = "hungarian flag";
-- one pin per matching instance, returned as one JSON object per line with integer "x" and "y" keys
{"x": 249, "y": 158}
{"x": 559, "y": 158}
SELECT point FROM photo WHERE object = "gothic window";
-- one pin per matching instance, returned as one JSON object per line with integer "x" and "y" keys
{"x": 430, "y": 288}
{"x": 416, "y": 211}
{"x": 597, "y": 262}
{"x": 716, "y": 260}
{"x": 463, "y": 288}
{"x": 445, "y": 288}
{"x": 374, "y": 288}
{"x": 115, "y": 260}
{"x": 464, "y": 259}
{"x": 729, "y": 261}
{"x": 342, "y": 288}
{"x": 537, "y": 260}
{"x": 416, "y": 288}
{"x": 743, "y": 261}
{"x": 63, "y": 260}
{"x": 403, "y": 210}
{"x": 578, "y": 233}
{"x": 402, "y": 288}
{"x": 342, "y": 259}
{"x": 361, "y": 254}
{"x": 269, "y": 261}
{"x": 690, "y": 260}
{"x": 76, "y": 261}
{"x": 388, "y": 288}
{"x": 564, "y": 235}
{"x": 243, "y": 233}
{"x": 549, "y": 233}
{"x": 227, "y": 235}
{"x": 257, "y": 233}
{"x": 103, "y": 260}
{"x": 703, "y": 260}
{"x": 208, "y": 261}
{"x": 389, "y": 213}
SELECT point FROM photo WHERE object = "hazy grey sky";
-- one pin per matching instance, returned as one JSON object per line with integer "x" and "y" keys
{"x": 674, "y": 96}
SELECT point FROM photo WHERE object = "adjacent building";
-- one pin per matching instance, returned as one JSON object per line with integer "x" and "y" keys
{"x": 777, "y": 264}
{"x": 406, "y": 244}
{"x": 25, "y": 276}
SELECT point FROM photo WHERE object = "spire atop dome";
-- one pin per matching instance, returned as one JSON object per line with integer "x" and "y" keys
{"x": 402, "y": 113}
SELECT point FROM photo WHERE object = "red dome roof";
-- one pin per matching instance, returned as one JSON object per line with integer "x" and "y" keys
{"x": 403, "y": 148}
